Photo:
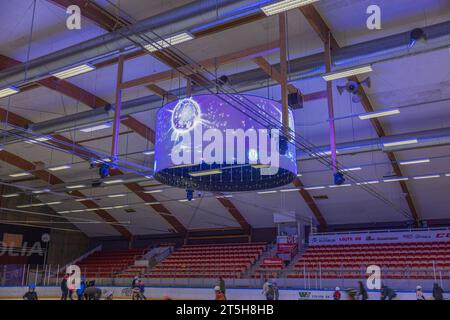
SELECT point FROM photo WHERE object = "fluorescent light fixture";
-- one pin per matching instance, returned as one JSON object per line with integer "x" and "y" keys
{"x": 289, "y": 190}
{"x": 351, "y": 169}
{"x": 10, "y": 195}
{"x": 36, "y": 140}
{"x": 152, "y": 203}
{"x": 120, "y": 206}
{"x": 65, "y": 211}
{"x": 427, "y": 177}
{"x": 153, "y": 191}
{"x": 367, "y": 182}
{"x": 59, "y": 168}
{"x": 78, "y": 210}
{"x": 8, "y": 91}
{"x": 339, "y": 185}
{"x": 224, "y": 196}
{"x": 185, "y": 200}
{"x": 113, "y": 181}
{"x": 38, "y": 204}
{"x": 55, "y": 202}
{"x": 148, "y": 177}
{"x": 76, "y": 186}
{"x": 24, "y": 206}
{"x": 404, "y": 163}
{"x": 40, "y": 191}
{"x": 21, "y": 174}
{"x": 447, "y": 174}
{"x": 167, "y": 42}
{"x": 377, "y": 114}
{"x": 299, "y": 174}
{"x": 205, "y": 173}
{"x": 183, "y": 166}
{"x": 91, "y": 209}
{"x": 267, "y": 192}
{"x": 314, "y": 188}
{"x": 96, "y": 128}
{"x": 73, "y": 71}
{"x": 260, "y": 166}
{"x": 116, "y": 195}
{"x": 346, "y": 73}
{"x": 395, "y": 179}
{"x": 83, "y": 199}
{"x": 148, "y": 153}
{"x": 284, "y": 5}
{"x": 399, "y": 143}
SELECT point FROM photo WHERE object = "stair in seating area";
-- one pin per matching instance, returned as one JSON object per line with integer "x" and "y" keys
{"x": 105, "y": 264}
{"x": 208, "y": 261}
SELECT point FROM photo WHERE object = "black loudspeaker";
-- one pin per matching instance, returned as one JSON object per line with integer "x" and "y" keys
{"x": 295, "y": 100}
{"x": 339, "y": 178}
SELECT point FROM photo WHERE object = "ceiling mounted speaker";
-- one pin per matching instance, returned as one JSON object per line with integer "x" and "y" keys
{"x": 295, "y": 100}
{"x": 356, "y": 98}
{"x": 366, "y": 82}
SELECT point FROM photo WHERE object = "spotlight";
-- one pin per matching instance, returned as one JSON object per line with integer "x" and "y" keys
{"x": 283, "y": 144}
{"x": 416, "y": 35}
{"x": 189, "y": 194}
{"x": 104, "y": 170}
{"x": 223, "y": 80}
{"x": 339, "y": 178}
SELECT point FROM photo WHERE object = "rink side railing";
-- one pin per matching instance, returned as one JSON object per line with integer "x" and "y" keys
{"x": 306, "y": 277}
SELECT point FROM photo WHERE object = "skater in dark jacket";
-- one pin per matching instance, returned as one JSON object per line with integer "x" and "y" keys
{"x": 438, "y": 292}
{"x": 64, "y": 287}
{"x": 387, "y": 293}
{"x": 362, "y": 292}
{"x": 31, "y": 293}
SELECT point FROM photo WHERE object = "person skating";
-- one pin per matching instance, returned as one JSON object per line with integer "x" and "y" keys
{"x": 142, "y": 290}
{"x": 64, "y": 287}
{"x": 362, "y": 292}
{"x": 276, "y": 291}
{"x": 31, "y": 293}
{"x": 80, "y": 290}
{"x": 419, "y": 293}
{"x": 438, "y": 292}
{"x": 351, "y": 293}
{"x": 387, "y": 293}
{"x": 268, "y": 291}
{"x": 222, "y": 285}
{"x": 219, "y": 295}
{"x": 337, "y": 294}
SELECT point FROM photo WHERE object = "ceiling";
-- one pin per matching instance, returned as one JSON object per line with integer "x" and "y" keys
{"x": 422, "y": 79}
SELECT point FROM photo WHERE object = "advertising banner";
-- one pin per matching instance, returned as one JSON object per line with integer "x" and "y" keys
{"x": 440, "y": 235}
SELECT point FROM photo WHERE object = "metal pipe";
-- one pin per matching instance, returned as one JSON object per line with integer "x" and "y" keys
{"x": 425, "y": 139}
{"x": 180, "y": 19}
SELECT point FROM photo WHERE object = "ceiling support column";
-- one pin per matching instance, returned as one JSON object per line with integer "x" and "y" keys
{"x": 330, "y": 102}
{"x": 117, "y": 110}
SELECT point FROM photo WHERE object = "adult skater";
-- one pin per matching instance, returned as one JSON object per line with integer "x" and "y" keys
{"x": 276, "y": 291}
{"x": 31, "y": 293}
{"x": 92, "y": 293}
{"x": 387, "y": 293}
{"x": 438, "y": 292}
{"x": 64, "y": 287}
{"x": 222, "y": 285}
{"x": 362, "y": 292}
{"x": 269, "y": 291}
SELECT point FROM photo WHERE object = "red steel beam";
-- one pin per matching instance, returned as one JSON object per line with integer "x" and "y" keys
{"x": 323, "y": 31}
